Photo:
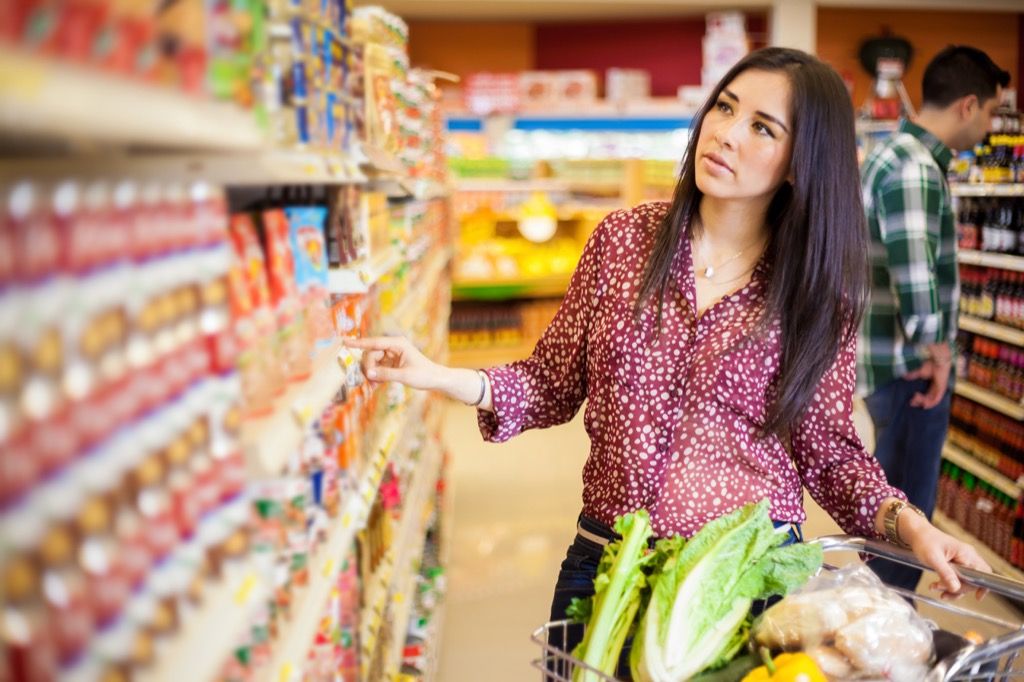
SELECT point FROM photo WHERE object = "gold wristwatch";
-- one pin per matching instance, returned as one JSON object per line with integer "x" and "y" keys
{"x": 891, "y": 518}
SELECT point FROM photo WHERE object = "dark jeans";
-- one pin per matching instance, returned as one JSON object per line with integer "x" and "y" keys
{"x": 576, "y": 579}
{"x": 908, "y": 445}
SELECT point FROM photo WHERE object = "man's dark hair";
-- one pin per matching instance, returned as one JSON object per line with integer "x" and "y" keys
{"x": 959, "y": 71}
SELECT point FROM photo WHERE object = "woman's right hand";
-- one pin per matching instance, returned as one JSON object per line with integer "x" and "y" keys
{"x": 395, "y": 358}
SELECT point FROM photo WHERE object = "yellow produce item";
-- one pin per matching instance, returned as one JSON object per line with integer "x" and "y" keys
{"x": 788, "y": 668}
{"x": 538, "y": 218}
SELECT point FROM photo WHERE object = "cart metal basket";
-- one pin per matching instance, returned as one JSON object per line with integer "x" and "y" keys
{"x": 958, "y": 660}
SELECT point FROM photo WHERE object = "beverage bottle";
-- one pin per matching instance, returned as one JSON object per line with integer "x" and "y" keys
{"x": 29, "y": 652}
{"x": 986, "y": 303}
{"x": 1017, "y": 541}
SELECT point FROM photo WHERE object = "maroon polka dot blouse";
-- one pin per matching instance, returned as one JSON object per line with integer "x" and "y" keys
{"x": 674, "y": 417}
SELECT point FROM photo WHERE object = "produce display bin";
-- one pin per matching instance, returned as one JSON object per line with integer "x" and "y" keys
{"x": 957, "y": 659}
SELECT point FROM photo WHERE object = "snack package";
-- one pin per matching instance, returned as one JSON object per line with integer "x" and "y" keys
{"x": 247, "y": 246}
{"x": 294, "y": 338}
{"x": 853, "y": 626}
{"x": 257, "y": 386}
{"x": 309, "y": 249}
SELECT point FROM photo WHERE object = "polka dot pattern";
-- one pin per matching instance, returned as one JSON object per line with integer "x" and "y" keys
{"x": 674, "y": 415}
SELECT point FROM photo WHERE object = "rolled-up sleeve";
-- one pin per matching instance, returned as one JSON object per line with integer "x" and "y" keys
{"x": 909, "y": 206}
{"x": 548, "y": 388}
{"x": 841, "y": 475}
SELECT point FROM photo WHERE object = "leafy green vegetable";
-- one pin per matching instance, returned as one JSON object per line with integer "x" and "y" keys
{"x": 703, "y": 594}
{"x": 686, "y": 603}
{"x": 617, "y": 593}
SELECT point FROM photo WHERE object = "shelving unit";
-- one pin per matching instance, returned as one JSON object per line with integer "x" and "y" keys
{"x": 500, "y": 290}
{"x": 398, "y": 577}
{"x": 1002, "y": 261}
{"x": 296, "y": 641}
{"x": 965, "y": 460}
{"x": 998, "y": 563}
{"x": 962, "y": 459}
{"x": 992, "y": 330}
{"x": 270, "y": 441}
{"x": 60, "y": 121}
{"x": 407, "y": 313}
{"x": 359, "y": 277}
{"x": 987, "y": 190}
{"x": 214, "y": 627}
{"x": 990, "y": 399}
{"x": 43, "y": 100}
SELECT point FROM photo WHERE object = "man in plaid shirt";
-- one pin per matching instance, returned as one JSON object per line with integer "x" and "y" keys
{"x": 906, "y": 342}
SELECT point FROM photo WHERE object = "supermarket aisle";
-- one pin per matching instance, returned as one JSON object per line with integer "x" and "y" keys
{"x": 514, "y": 515}
{"x": 515, "y": 508}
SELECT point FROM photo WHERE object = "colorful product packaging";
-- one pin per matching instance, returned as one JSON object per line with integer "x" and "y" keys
{"x": 309, "y": 249}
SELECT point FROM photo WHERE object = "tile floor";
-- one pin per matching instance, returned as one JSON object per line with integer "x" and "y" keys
{"x": 515, "y": 508}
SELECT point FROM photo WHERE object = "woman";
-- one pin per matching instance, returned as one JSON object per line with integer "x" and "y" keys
{"x": 714, "y": 337}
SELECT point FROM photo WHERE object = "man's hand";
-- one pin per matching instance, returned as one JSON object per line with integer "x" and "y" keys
{"x": 937, "y": 370}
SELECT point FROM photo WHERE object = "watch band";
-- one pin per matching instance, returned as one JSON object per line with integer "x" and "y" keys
{"x": 891, "y": 520}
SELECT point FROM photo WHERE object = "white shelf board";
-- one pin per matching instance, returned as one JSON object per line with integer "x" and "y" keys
{"x": 962, "y": 189}
{"x": 359, "y": 277}
{"x": 48, "y": 100}
{"x": 504, "y": 185}
{"x": 992, "y": 330}
{"x": 404, "y": 553}
{"x": 990, "y": 399}
{"x": 965, "y": 460}
{"x": 293, "y": 645}
{"x": 202, "y": 648}
{"x": 407, "y": 565}
{"x": 231, "y": 168}
{"x": 1003, "y": 261}
{"x": 403, "y": 318}
{"x": 269, "y": 441}
{"x": 998, "y": 563}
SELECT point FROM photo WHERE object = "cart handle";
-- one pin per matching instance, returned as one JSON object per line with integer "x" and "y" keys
{"x": 1001, "y": 585}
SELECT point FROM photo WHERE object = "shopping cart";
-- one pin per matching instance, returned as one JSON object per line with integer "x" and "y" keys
{"x": 957, "y": 659}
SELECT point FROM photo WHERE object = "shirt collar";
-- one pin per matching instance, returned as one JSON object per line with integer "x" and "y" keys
{"x": 939, "y": 151}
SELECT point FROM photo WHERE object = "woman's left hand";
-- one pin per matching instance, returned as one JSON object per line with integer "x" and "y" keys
{"x": 939, "y": 551}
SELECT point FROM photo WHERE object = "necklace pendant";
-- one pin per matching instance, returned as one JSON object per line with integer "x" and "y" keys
{"x": 709, "y": 272}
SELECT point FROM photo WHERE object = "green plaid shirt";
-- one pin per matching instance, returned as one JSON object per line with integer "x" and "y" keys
{"x": 915, "y": 285}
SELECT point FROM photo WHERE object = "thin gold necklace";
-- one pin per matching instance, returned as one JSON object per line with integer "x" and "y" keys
{"x": 709, "y": 269}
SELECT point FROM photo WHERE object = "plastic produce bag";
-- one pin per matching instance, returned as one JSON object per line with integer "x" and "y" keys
{"x": 853, "y": 626}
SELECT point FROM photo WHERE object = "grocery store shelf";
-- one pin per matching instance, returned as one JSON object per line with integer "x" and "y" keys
{"x": 604, "y": 119}
{"x": 602, "y": 188}
{"x": 270, "y": 441}
{"x": 967, "y": 461}
{"x": 998, "y": 563}
{"x": 961, "y": 189}
{"x": 199, "y": 651}
{"x": 1003, "y": 261}
{"x": 236, "y": 169}
{"x": 47, "y": 101}
{"x": 434, "y": 642}
{"x": 990, "y": 399}
{"x": 504, "y": 185}
{"x": 993, "y": 330}
{"x": 359, "y": 277}
{"x": 393, "y": 577}
{"x": 407, "y": 565}
{"x": 502, "y": 290}
{"x": 290, "y": 654}
{"x": 404, "y": 318}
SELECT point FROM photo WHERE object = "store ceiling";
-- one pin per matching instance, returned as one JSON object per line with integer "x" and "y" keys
{"x": 538, "y": 10}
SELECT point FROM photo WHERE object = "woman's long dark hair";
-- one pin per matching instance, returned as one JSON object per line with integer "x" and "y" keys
{"x": 817, "y": 245}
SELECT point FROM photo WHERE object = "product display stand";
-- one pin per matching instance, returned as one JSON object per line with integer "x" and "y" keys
{"x": 982, "y": 479}
{"x": 97, "y": 128}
